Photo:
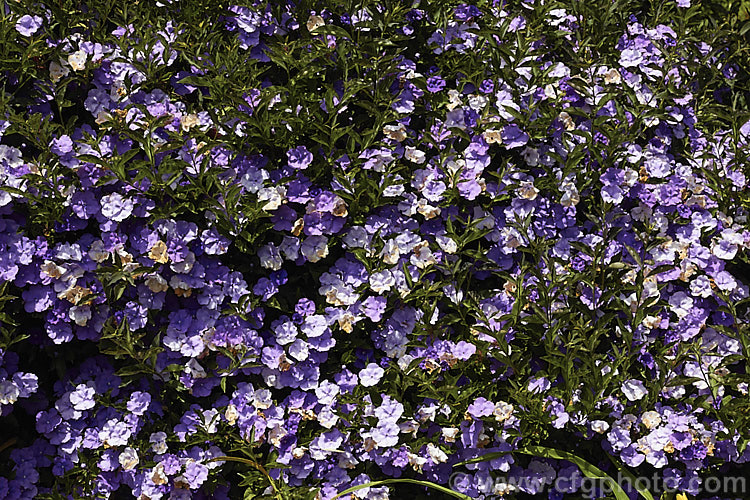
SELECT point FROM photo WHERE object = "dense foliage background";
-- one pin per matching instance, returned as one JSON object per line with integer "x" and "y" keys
{"x": 284, "y": 249}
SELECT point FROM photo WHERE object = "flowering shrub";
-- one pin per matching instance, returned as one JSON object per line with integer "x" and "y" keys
{"x": 290, "y": 250}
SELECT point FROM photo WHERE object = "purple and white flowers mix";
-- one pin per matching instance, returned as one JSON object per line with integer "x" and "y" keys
{"x": 352, "y": 245}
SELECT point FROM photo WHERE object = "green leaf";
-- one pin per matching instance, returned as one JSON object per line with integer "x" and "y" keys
{"x": 426, "y": 484}
{"x": 633, "y": 479}
{"x": 589, "y": 470}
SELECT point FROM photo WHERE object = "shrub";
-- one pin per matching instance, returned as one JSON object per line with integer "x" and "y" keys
{"x": 290, "y": 250}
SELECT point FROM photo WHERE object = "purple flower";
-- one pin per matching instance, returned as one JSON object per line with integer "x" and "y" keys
{"x": 435, "y": 84}
{"x": 46, "y": 421}
{"x": 346, "y": 380}
{"x": 631, "y": 457}
{"x": 108, "y": 462}
{"x": 386, "y": 434}
{"x": 514, "y": 137}
{"x": 612, "y": 194}
{"x": 171, "y": 464}
{"x": 374, "y": 307}
{"x": 619, "y": 438}
{"x": 557, "y": 410}
{"x": 487, "y": 86}
{"x": 370, "y": 375}
{"x": 539, "y": 385}
{"x": 631, "y": 57}
{"x": 28, "y": 25}
{"x": 84, "y": 204}
{"x": 299, "y": 157}
{"x": 62, "y": 145}
{"x": 464, "y": 350}
{"x": 115, "y": 433}
{"x": 271, "y": 356}
{"x": 195, "y": 474}
{"x": 213, "y": 242}
{"x": 466, "y": 12}
{"x": 38, "y": 298}
{"x": 518, "y": 23}
{"x": 265, "y": 288}
{"x": 481, "y": 408}
{"x": 390, "y": 410}
{"x": 139, "y": 402}
{"x": 305, "y": 307}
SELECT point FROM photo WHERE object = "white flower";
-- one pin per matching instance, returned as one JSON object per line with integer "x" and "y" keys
{"x": 527, "y": 190}
{"x": 158, "y": 442}
{"x": 493, "y": 136}
{"x": 273, "y": 195}
{"x": 231, "y": 414}
{"x": 210, "y": 420}
{"x": 423, "y": 256}
{"x": 9, "y": 392}
{"x": 156, "y": 283}
{"x": 194, "y": 368}
{"x": 57, "y": 72}
{"x": 315, "y": 248}
{"x": 599, "y": 426}
{"x": 270, "y": 257}
{"x": 503, "y": 411}
{"x": 613, "y": 76}
{"x": 77, "y": 60}
{"x": 128, "y": 458}
{"x": 681, "y": 304}
{"x": 455, "y": 295}
{"x": 634, "y": 389}
{"x": 314, "y": 326}
{"x": 299, "y": 350}
{"x": 116, "y": 207}
{"x": 567, "y": 121}
{"x": 338, "y": 293}
{"x": 450, "y": 434}
{"x": 80, "y": 314}
{"x": 416, "y": 461}
{"x": 454, "y": 99}
{"x": 395, "y": 132}
{"x": 414, "y": 155}
{"x": 382, "y": 281}
{"x": 262, "y": 399}
{"x": 651, "y": 419}
{"x": 446, "y": 243}
{"x": 314, "y": 22}
{"x": 437, "y": 455}
{"x": 477, "y": 102}
{"x": 327, "y": 418}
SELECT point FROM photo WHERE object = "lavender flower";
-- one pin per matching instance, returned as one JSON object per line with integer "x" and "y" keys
{"x": 299, "y": 157}
{"x": 28, "y": 25}
{"x": 370, "y": 375}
